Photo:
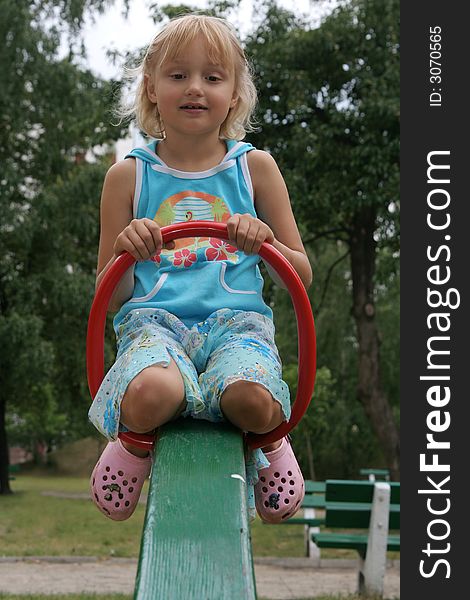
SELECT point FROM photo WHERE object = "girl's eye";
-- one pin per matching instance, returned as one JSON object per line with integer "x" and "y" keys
{"x": 213, "y": 78}
{"x": 177, "y": 76}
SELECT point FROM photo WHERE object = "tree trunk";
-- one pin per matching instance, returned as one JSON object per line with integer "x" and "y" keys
{"x": 370, "y": 392}
{"x": 311, "y": 468}
{"x": 4, "y": 459}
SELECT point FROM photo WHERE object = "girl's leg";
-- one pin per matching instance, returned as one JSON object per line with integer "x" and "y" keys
{"x": 156, "y": 395}
{"x": 280, "y": 489}
{"x": 241, "y": 359}
{"x": 251, "y": 407}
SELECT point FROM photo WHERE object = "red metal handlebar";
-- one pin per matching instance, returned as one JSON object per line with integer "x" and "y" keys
{"x": 303, "y": 313}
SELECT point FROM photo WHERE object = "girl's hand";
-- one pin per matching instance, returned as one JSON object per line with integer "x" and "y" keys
{"x": 142, "y": 238}
{"x": 248, "y": 233}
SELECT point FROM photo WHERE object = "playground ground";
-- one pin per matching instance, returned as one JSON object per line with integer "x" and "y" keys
{"x": 276, "y": 578}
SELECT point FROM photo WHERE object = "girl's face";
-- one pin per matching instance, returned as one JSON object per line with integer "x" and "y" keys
{"x": 192, "y": 94}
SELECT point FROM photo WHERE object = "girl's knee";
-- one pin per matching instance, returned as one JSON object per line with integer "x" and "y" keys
{"x": 152, "y": 398}
{"x": 249, "y": 405}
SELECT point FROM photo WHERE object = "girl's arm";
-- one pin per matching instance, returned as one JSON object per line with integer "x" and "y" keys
{"x": 273, "y": 207}
{"x": 115, "y": 215}
{"x": 120, "y": 232}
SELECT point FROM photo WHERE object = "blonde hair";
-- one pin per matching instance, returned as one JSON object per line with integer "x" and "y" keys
{"x": 223, "y": 48}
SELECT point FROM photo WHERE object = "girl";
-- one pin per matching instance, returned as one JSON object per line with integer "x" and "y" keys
{"x": 194, "y": 335}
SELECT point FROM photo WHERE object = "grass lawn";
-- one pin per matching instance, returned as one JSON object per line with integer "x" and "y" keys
{"x": 73, "y": 526}
{"x": 34, "y": 523}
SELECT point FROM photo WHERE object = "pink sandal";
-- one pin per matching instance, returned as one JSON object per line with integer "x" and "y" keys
{"x": 280, "y": 489}
{"x": 117, "y": 480}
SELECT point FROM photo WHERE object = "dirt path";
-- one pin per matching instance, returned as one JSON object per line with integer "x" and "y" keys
{"x": 276, "y": 579}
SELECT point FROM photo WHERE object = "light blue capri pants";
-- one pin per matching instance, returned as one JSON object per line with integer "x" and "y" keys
{"x": 230, "y": 345}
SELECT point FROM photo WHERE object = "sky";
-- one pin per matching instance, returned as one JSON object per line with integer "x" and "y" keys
{"x": 111, "y": 30}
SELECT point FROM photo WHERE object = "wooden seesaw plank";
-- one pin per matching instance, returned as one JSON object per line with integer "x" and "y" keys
{"x": 196, "y": 541}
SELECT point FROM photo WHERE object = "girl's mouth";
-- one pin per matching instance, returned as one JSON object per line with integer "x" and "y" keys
{"x": 193, "y": 107}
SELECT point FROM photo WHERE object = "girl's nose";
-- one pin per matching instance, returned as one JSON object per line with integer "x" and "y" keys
{"x": 194, "y": 87}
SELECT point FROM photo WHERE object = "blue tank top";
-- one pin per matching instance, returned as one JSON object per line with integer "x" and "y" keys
{"x": 200, "y": 275}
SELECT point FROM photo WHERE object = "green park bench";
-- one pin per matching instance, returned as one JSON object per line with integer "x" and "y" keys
{"x": 364, "y": 505}
{"x": 314, "y": 499}
{"x": 12, "y": 470}
{"x": 376, "y": 474}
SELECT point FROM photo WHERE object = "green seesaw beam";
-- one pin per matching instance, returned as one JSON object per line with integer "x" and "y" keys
{"x": 196, "y": 541}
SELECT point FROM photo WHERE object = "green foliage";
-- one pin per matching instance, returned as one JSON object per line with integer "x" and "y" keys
{"x": 52, "y": 111}
{"x": 329, "y": 110}
{"x": 329, "y": 113}
{"x": 67, "y": 220}
{"x": 27, "y": 359}
{"x": 215, "y": 8}
{"x": 340, "y": 436}
{"x": 40, "y": 422}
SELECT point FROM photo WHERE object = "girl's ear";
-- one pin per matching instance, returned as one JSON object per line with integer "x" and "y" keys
{"x": 150, "y": 87}
{"x": 234, "y": 100}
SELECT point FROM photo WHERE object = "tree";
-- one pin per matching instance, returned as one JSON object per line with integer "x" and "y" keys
{"x": 329, "y": 113}
{"x": 51, "y": 112}
{"x": 335, "y": 438}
